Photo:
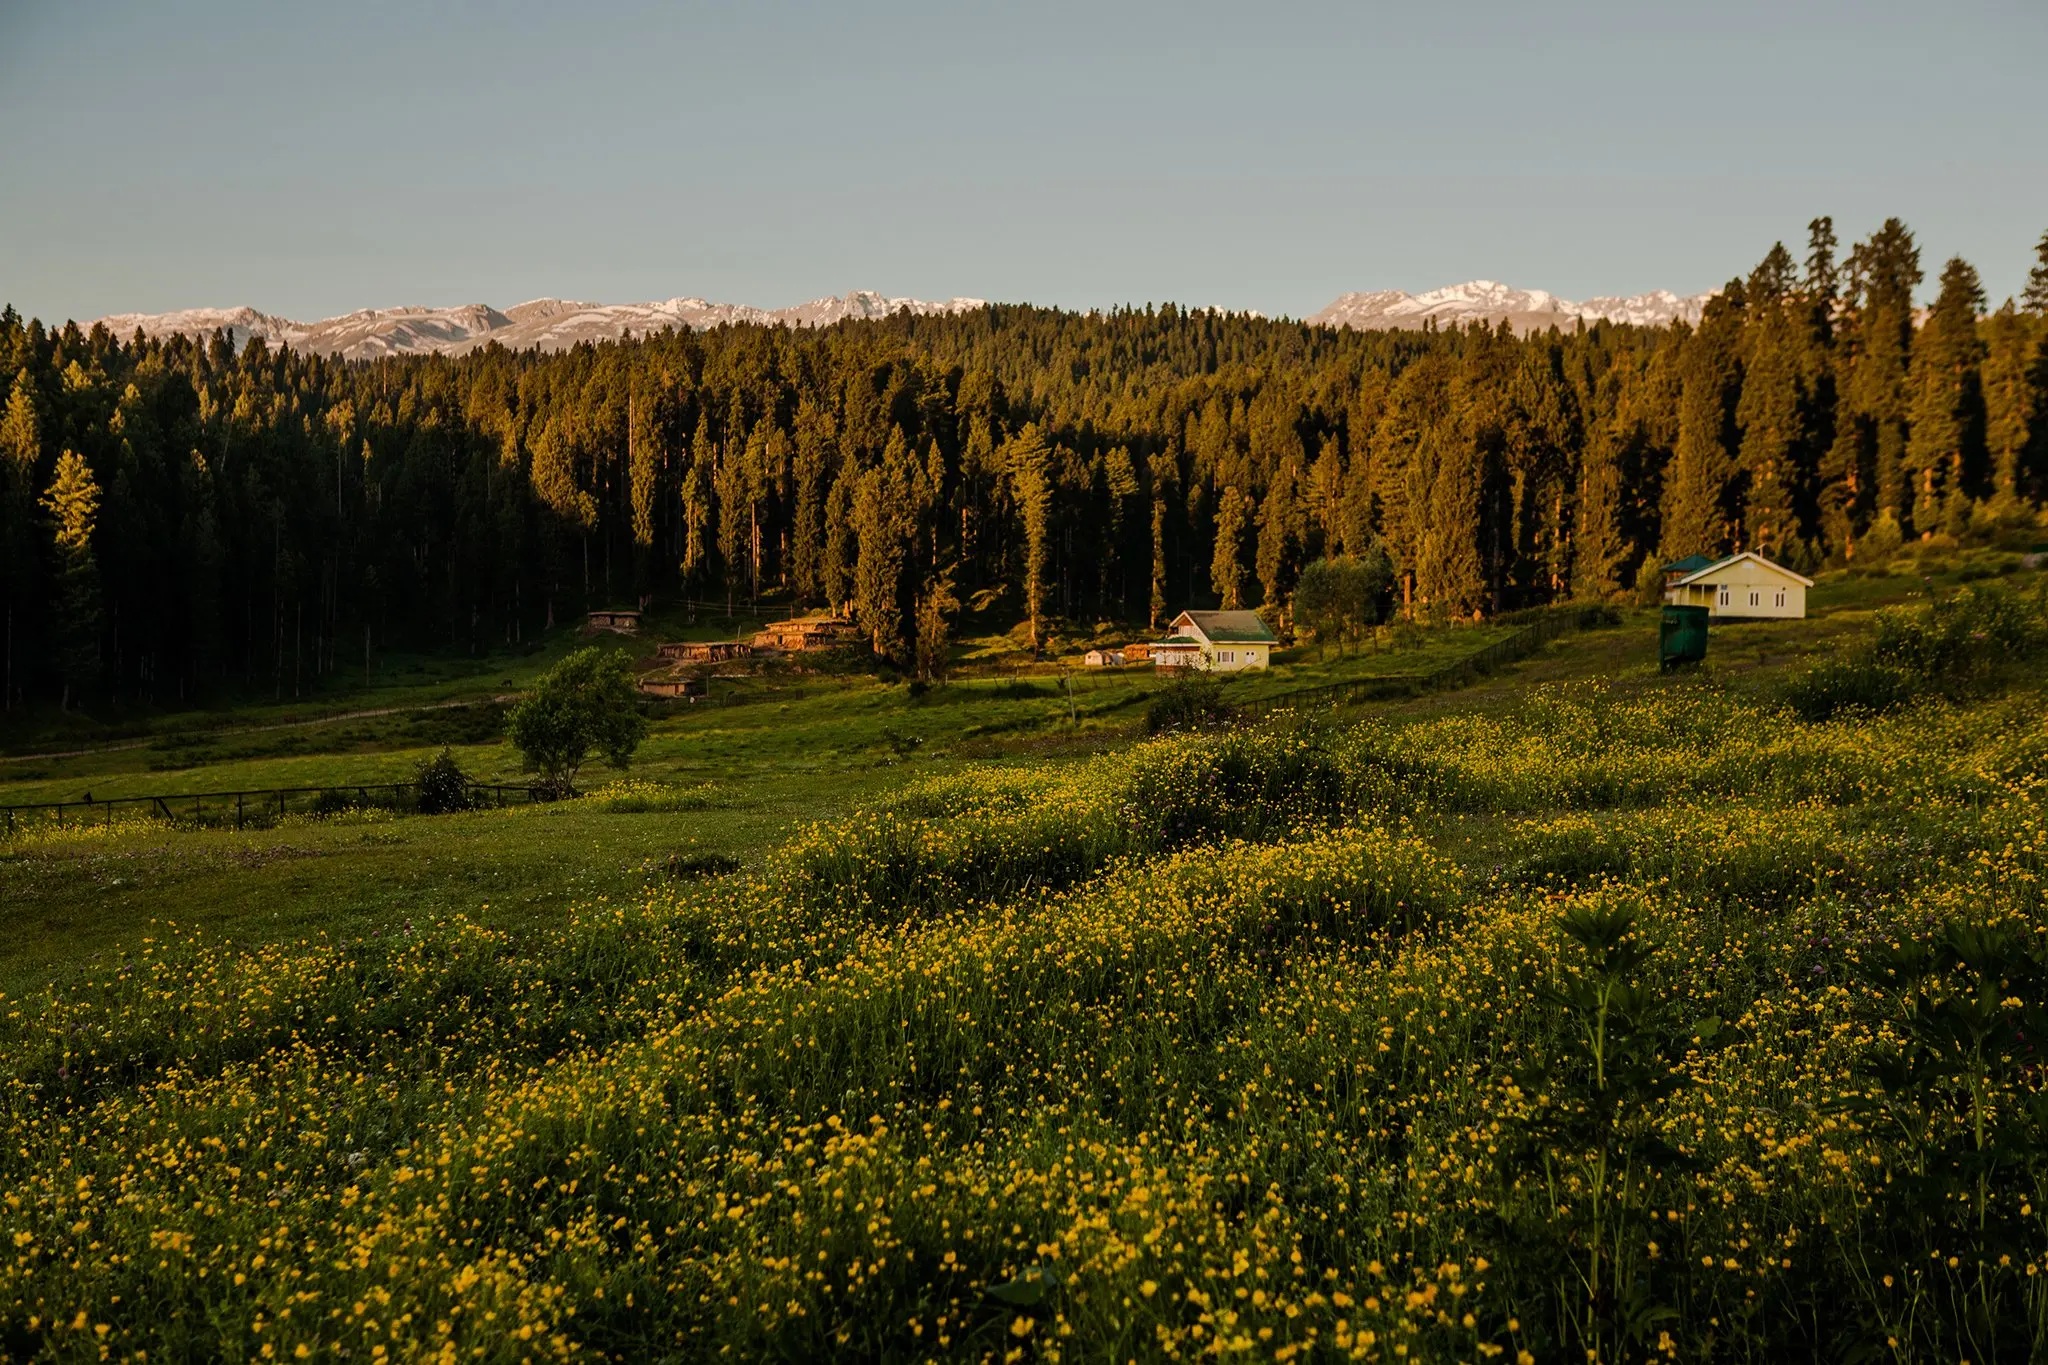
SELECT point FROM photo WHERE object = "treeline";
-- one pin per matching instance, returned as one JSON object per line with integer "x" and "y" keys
{"x": 178, "y": 514}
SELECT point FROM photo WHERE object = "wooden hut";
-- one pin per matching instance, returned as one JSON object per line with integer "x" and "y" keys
{"x": 624, "y": 622}
{"x": 705, "y": 651}
{"x": 806, "y": 633}
{"x": 688, "y": 688}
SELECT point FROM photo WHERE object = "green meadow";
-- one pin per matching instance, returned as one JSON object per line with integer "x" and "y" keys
{"x": 1582, "y": 1012}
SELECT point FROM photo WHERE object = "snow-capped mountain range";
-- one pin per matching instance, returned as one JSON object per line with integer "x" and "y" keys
{"x": 1526, "y": 310}
{"x": 557, "y": 324}
{"x": 550, "y": 324}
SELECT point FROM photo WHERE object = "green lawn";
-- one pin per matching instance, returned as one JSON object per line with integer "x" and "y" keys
{"x": 772, "y": 753}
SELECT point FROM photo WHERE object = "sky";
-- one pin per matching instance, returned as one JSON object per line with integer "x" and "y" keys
{"x": 310, "y": 159}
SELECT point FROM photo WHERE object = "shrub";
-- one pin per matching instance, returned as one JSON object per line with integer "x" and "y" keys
{"x": 1960, "y": 639}
{"x": 1192, "y": 701}
{"x": 1955, "y": 645}
{"x": 1844, "y": 686}
{"x": 585, "y": 703}
{"x": 443, "y": 786}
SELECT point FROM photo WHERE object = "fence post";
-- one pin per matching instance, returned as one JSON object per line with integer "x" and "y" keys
{"x": 238, "y": 810}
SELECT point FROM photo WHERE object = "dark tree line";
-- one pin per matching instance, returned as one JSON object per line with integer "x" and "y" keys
{"x": 178, "y": 515}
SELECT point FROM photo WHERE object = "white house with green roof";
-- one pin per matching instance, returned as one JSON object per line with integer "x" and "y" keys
{"x": 1738, "y": 585}
{"x": 1222, "y": 641}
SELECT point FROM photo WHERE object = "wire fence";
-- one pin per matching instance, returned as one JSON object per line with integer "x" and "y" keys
{"x": 257, "y": 806}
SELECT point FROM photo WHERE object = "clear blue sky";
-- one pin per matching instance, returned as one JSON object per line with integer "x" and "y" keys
{"x": 313, "y": 158}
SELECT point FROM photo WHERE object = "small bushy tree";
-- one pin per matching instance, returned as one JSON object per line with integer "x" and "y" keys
{"x": 443, "y": 786}
{"x": 1192, "y": 701}
{"x": 585, "y": 704}
{"x": 1340, "y": 599}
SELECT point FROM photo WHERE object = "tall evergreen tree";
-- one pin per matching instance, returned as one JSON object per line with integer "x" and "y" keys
{"x": 1028, "y": 461}
{"x": 1697, "y": 487}
{"x": 1947, "y": 413}
{"x": 2011, "y": 405}
{"x": 1227, "y": 576}
{"x": 73, "y": 504}
{"x": 1884, "y": 271}
{"x": 21, "y": 452}
{"x": 1771, "y": 409}
{"x": 1280, "y": 519}
{"x": 1449, "y": 578}
{"x": 2035, "y": 299}
{"x": 1600, "y": 548}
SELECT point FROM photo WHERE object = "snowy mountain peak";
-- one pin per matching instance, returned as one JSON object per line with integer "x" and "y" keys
{"x": 549, "y": 324}
{"x": 1491, "y": 302}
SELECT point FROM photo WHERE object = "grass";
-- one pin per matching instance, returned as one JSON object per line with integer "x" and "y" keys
{"x": 1582, "y": 1013}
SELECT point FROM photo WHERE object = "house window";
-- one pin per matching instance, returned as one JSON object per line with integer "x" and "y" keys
{"x": 1227, "y": 657}
{"x": 1755, "y": 597}
{"x": 1781, "y": 597}
{"x": 1726, "y": 595}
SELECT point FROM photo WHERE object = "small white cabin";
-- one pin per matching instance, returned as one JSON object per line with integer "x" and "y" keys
{"x": 1223, "y": 641}
{"x": 1744, "y": 585}
{"x": 1102, "y": 658}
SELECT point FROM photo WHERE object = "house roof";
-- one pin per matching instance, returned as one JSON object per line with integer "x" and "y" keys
{"x": 1700, "y": 575}
{"x": 1177, "y": 642}
{"x": 1228, "y": 627}
{"x": 1690, "y": 564}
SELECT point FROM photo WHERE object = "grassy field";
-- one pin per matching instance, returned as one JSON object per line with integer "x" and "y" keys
{"x": 1581, "y": 1013}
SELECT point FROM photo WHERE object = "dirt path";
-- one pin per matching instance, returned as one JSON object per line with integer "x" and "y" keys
{"x": 251, "y": 729}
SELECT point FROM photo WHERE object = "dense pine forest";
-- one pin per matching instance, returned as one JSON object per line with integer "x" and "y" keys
{"x": 182, "y": 518}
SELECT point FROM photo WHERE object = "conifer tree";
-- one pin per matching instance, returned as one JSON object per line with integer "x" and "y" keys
{"x": 1884, "y": 271}
{"x": 729, "y": 485}
{"x": 1599, "y": 548}
{"x": 1822, "y": 281}
{"x": 1449, "y": 580}
{"x": 2010, "y": 405}
{"x": 878, "y": 525}
{"x": 1323, "y": 494}
{"x": 21, "y": 450}
{"x": 644, "y": 469}
{"x": 1947, "y": 413}
{"x": 1027, "y": 460}
{"x": 1280, "y": 535}
{"x": 935, "y": 607}
{"x": 836, "y": 573}
{"x": 1418, "y": 401}
{"x": 1227, "y": 576}
{"x": 1770, "y": 409}
{"x": 73, "y": 504}
{"x": 1695, "y": 516}
{"x": 697, "y": 499}
{"x": 1164, "y": 477}
{"x": 2035, "y": 299}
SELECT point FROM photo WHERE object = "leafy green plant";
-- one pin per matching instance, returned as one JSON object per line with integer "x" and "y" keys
{"x": 1192, "y": 701}
{"x": 1848, "y": 686}
{"x": 1589, "y": 1135}
{"x": 442, "y": 786}
{"x": 584, "y": 704}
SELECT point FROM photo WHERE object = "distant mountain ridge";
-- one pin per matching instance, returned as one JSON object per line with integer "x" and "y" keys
{"x": 1487, "y": 301}
{"x": 550, "y": 324}
{"x": 557, "y": 324}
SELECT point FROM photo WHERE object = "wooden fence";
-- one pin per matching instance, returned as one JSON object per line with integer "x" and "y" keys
{"x": 1526, "y": 639}
{"x": 263, "y": 803}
